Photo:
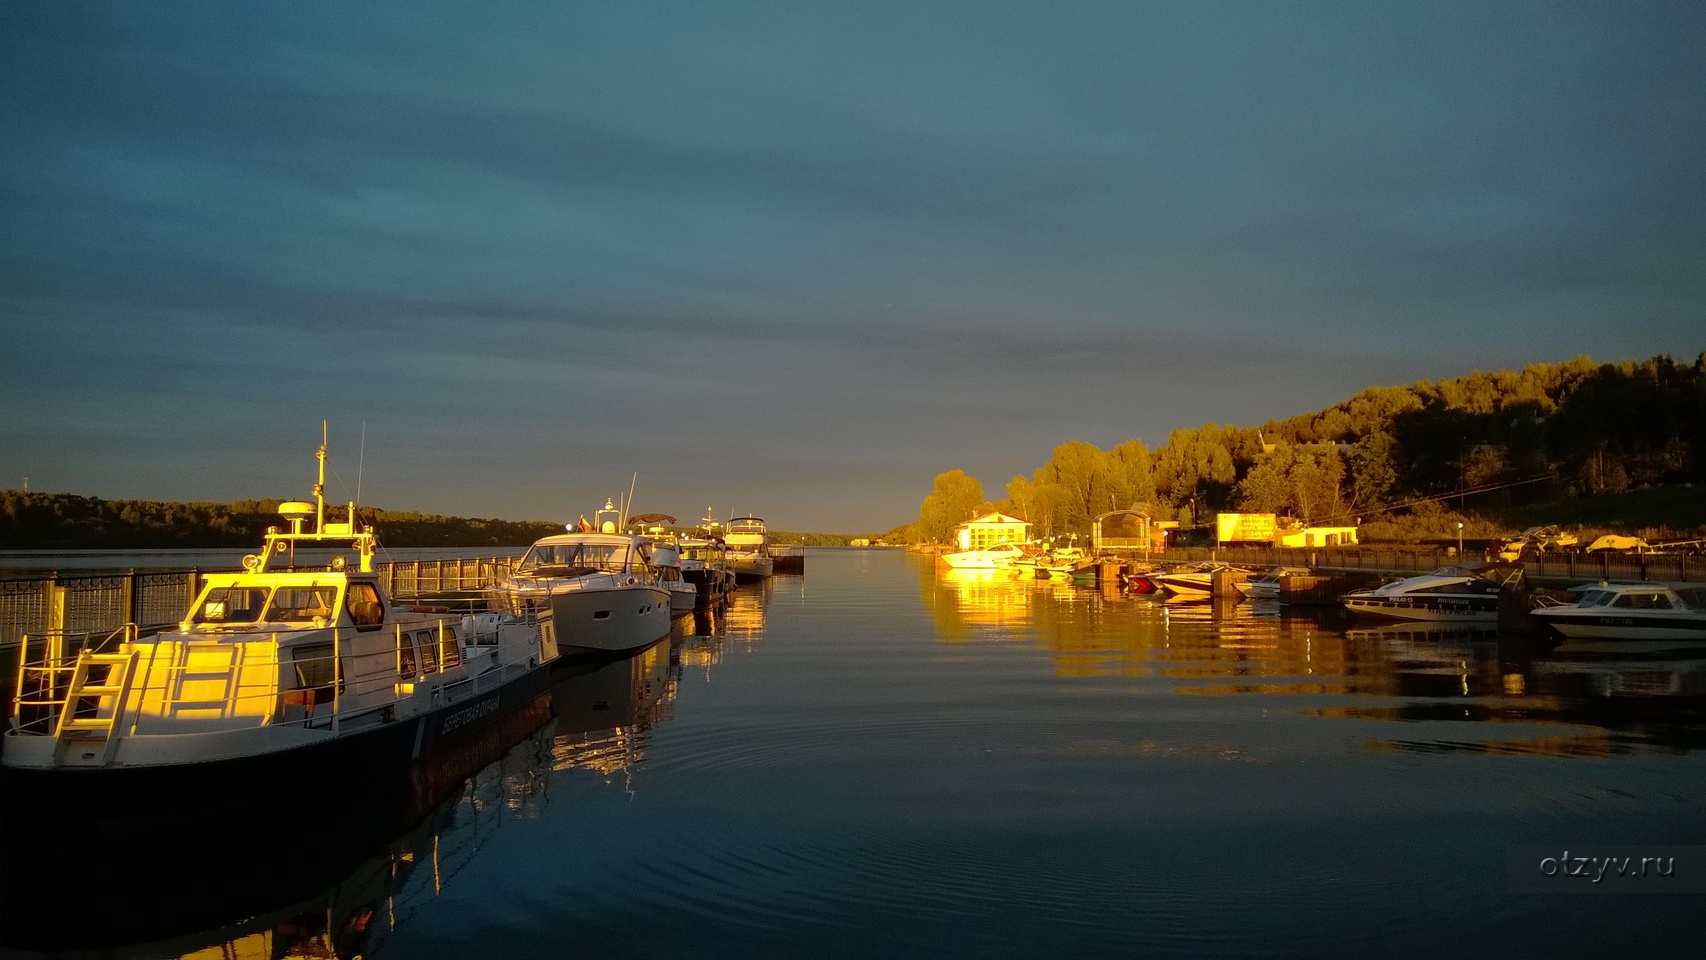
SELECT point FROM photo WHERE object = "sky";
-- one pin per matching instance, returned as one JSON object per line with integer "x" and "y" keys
{"x": 795, "y": 260}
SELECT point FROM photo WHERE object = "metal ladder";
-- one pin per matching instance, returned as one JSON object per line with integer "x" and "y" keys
{"x": 79, "y": 733}
{"x": 229, "y": 671}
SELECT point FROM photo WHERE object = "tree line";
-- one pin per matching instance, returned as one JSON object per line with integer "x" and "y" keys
{"x": 1544, "y": 433}
{"x": 30, "y": 520}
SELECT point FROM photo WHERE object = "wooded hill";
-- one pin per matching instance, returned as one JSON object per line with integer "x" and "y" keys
{"x": 66, "y": 521}
{"x": 1484, "y": 444}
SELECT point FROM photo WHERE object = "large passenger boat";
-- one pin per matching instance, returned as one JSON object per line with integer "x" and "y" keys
{"x": 296, "y": 672}
{"x": 594, "y": 589}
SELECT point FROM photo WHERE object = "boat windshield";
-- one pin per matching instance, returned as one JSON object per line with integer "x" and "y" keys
{"x": 301, "y": 604}
{"x": 1595, "y": 598}
{"x": 574, "y": 559}
{"x": 232, "y": 605}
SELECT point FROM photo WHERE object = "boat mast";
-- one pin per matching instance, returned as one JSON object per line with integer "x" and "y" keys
{"x": 320, "y": 486}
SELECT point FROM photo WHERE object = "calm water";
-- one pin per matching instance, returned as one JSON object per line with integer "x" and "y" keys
{"x": 876, "y": 760}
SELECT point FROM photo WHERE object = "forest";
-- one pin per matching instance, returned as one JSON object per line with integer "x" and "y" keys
{"x": 1402, "y": 461}
{"x": 66, "y": 521}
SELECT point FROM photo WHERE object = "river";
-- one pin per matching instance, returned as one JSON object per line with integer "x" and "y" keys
{"x": 884, "y": 759}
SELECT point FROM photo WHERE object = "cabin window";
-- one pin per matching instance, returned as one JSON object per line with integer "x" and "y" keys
{"x": 405, "y": 656}
{"x": 427, "y": 641}
{"x": 573, "y": 559}
{"x": 363, "y": 604}
{"x": 301, "y": 604}
{"x": 316, "y": 669}
{"x": 232, "y": 605}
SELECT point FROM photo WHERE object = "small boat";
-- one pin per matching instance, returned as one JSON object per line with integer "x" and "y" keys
{"x": 595, "y": 589}
{"x": 1267, "y": 586}
{"x": 296, "y": 670}
{"x": 990, "y": 558}
{"x": 1450, "y": 593}
{"x": 683, "y": 594}
{"x": 1630, "y": 611}
{"x": 1196, "y": 581}
{"x": 748, "y": 549}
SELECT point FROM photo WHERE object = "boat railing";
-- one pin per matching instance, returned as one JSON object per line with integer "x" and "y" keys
{"x": 70, "y": 684}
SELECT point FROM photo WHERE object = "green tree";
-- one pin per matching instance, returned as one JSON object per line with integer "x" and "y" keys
{"x": 954, "y": 499}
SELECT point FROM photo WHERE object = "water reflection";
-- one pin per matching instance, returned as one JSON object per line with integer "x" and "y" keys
{"x": 310, "y": 884}
{"x": 604, "y": 712}
{"x": 1459, "y": 687}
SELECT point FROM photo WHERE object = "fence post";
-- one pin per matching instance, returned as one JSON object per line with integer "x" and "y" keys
{"x": 130, "y": 596}
{"x": 55, "y": 604}
{"x": 194, "y": 583}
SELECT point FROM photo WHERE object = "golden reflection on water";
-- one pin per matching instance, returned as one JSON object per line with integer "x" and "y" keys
{"x": 1478, "y": 684}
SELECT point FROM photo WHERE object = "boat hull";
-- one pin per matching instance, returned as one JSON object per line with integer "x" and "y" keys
{"x": 619, "y": 619}
{"x": 751, "y": 568}
{"x": 1448, "y": 609}
{"x": 1605, "y": 626}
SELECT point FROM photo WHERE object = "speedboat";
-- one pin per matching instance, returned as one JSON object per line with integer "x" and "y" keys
{"x": 296, "y": 672}
{"x": 1196, "y": 581}
{"x": 748, "y": 549}
{"x": 989, "y": 558}
{"x": 1267, "y": 586}
{"x": 1630, "y": 611}
{"x": 594, "y": 589}
{"x": 1450, "y": 593}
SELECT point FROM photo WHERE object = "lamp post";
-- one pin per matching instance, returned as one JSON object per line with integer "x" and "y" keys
{"x": 1460, "y": 538}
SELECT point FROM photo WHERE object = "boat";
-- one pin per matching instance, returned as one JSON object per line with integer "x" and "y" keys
{"x": 296, "y": 670}
{"x": 988, "y": 558}
{"x": 1629, "y": 611}
{"x": 1268, "y": 585}
{"x": 1196, "y": 580}
{"x": 594, "y": 588}
{"x": 748, "y": 549}
{"x": 683, "y": 594}
{"x": 1450, "y": 593}
{"x": 704, "y": 563}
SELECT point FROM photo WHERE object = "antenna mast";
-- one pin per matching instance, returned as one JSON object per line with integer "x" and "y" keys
{"x": 320, "y": 487}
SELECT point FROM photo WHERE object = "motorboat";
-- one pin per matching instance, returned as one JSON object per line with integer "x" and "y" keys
{"x": 296, "y": 670}
{"x": 1196, "y": 580}
{"x": 1268, "y": 585}
{"x": 704, "y": 563}
{"x": 594, "y": 589}
{"x": 748, "y": 549}
{"x": 1629, "y": 611}
{"x": 1450, "y": 593}
{"x": 987, "y": 558}
{"x": 683, "y": 594}
{"x": 1537, "y": 540}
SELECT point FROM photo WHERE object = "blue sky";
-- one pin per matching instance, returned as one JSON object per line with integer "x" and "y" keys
{"x": 797, "y": 259}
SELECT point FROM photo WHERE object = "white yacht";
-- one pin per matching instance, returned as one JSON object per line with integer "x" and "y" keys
{"x": 989, "y": 558}
{"x": 594, "y": 590}
{"x": 1459, "y": 594}
{"x": 297, "y": 671}
{"x": 683, "y": 594}
{"x": 1630, "y": 611}
{"x": 748, "y": 549}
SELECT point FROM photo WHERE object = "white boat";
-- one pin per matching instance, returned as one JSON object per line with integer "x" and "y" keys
{"x": 748, "y": 549}
{"x": 683, "y": 594}
{"x": 297, "y": 671}
{"x": 989, "y": 558}
{"x": 594, "y": 592}
{"x": 1630, "y": 611}
{"x": 1455, "y": 594}
{"x": 1196, "y": 581}
{"x": 1267, "y": 586}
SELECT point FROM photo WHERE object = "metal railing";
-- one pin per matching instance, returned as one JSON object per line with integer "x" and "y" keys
{"x": 154, "y": 600}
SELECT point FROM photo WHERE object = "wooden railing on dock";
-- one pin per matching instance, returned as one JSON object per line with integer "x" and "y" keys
{"x": 154, "y": 600}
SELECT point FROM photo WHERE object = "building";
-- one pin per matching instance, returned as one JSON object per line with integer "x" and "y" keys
{"x": 986, "y": 531}
{"x": 1129, "y": 531}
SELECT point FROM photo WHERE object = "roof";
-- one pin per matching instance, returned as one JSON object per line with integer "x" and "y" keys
{"x": 995, "y": 518}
